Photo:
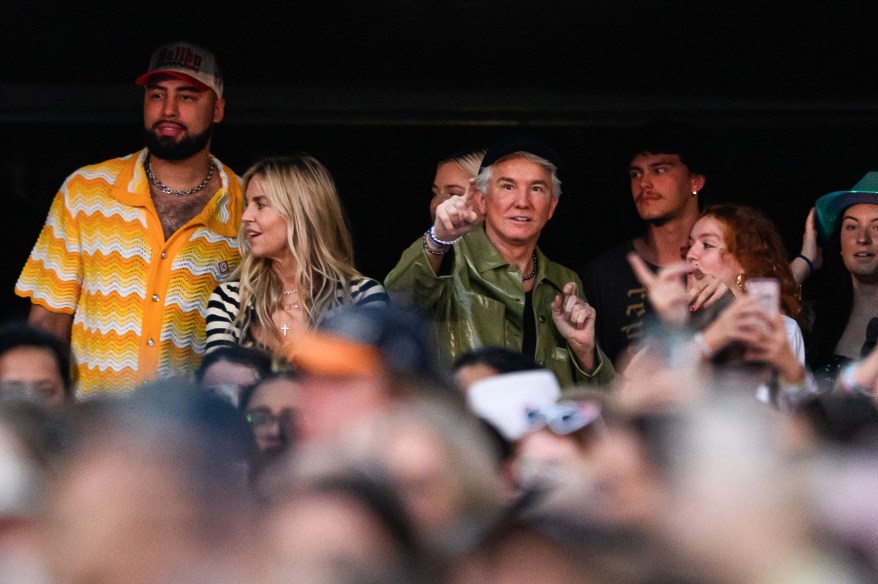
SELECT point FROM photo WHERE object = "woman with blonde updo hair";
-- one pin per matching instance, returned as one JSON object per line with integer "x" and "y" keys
{"x": 453, "y": 175}
{"x": 297, "y": 258}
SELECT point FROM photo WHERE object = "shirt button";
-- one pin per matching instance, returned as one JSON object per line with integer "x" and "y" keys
{"x": 155, "y": 297}
{"x": 542, "y": 318}
{"x": 150, "y": 342}
{"x": 541, "y": 363}
{"x": 164, "y": 254}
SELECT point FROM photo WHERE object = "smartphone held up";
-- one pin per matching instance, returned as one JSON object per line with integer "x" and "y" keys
{"x": 767, "y": 293}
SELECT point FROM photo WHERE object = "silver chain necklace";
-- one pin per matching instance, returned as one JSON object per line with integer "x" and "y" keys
{"x": 168, "y": 190}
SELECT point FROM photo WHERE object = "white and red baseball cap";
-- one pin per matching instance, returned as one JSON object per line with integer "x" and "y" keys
{"x": 188, "y": 62}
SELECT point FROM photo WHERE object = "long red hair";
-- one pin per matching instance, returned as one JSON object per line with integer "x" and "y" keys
{"x": 754, "y": 241}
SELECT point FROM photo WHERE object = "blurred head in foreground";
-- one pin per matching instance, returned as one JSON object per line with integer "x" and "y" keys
{"x": 153, "y": 490}
{"x": 360, "y": 361}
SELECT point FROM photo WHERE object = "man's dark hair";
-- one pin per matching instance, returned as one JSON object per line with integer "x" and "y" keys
{"x": 691, "y": 144}
{"x": 498, "y": 358}
{"x": 15, "y": 335}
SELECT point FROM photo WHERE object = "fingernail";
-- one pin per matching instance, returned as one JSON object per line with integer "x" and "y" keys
{"x": 691, "y": 309}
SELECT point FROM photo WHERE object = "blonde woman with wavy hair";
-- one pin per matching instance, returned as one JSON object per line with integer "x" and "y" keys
{"x": 297, "y": 263}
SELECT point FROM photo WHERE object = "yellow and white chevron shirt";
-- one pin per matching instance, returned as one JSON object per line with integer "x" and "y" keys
{"x": 138, "y": 302}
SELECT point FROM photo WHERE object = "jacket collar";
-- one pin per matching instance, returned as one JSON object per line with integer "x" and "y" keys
{"x": 484, "y": 257}
{"x": 482, "y": 254}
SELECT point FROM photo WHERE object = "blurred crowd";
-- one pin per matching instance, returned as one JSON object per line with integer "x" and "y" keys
{"x": 381, "y": 468}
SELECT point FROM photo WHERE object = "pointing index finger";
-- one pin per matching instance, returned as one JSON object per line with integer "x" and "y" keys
{"x": 470, "y": 191}
{"x": 641, "y": 270}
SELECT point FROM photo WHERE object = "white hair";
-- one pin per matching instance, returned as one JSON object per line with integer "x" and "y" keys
{"x": 483, "y": 180}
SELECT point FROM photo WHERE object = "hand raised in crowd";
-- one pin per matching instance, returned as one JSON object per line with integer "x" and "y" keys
{"x": 772, "y": 346}
{"x": 574, "y": 318}
{"x": 810, "y": 250}
{"x": 704, "y": 290}
{"x": 458, "y": 215}
{"x": 741, "y": 322}
{"x": 665, "y": 289}
{"x": 764, "y": 337}
{"x": 861, "y": 378}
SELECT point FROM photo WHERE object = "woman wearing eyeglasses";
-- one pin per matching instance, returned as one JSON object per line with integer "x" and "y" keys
{"x": 269, "y": 407}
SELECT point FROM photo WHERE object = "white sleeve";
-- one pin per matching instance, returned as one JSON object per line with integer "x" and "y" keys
{"x": 794, "y": 338}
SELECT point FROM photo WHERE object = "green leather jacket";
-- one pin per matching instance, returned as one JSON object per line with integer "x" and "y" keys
{"x": 480, "y": 302}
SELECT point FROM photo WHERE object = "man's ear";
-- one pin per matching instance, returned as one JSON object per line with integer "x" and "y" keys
{"x": 553, "y": 205}
{"x": 696, "y": 182}
{"x": 480, "y": 200}
{"x": 219, "y": 110}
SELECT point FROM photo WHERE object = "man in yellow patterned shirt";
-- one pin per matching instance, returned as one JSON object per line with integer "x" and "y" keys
{"x": 133, "y": 247}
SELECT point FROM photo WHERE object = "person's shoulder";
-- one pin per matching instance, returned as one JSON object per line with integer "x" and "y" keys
{"x": 610, "y": 259}
{"x": 228, "y": 289}
{"x": 792, "y": 327}
{"x": 224, "y": 302}
{"x": 107, "y": 171}
{"x": 365, "y": 290}
{"x": 235, "y": 184}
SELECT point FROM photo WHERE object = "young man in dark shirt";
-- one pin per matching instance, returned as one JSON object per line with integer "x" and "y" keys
{"x": 667, "y": 171}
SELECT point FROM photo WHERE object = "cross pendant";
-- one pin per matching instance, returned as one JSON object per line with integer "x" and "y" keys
{"x": 285, "y": 328}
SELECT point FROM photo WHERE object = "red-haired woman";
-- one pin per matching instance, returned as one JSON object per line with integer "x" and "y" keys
{"x": 735, "y": 243}
{"x": 732, "y": 244}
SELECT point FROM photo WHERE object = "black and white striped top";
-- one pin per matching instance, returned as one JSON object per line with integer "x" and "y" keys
{"x": 225, "y": 302}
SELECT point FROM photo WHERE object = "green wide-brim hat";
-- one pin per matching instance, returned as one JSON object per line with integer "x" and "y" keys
{"x": 829, "y": 208}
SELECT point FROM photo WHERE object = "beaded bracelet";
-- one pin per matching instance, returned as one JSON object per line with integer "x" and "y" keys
{"x": 432, "y": 233}
{"x": 432, "y": 251}
{"x": 807, "y": 261}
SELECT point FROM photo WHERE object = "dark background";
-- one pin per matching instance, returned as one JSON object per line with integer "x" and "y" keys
{"x": 379, "y": 91}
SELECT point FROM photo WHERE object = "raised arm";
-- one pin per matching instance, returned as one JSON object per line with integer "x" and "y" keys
{"x": 455, "y": 217}
{"x": 810, "y": 259}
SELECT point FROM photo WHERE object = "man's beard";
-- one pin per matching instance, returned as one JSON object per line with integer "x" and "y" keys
{"x": 166, "y": 148}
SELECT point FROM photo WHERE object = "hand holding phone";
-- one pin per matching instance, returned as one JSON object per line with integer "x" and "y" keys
{"x": 767, "y": 293}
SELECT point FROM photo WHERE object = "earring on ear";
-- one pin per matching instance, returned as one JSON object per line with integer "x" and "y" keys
{"x": 739, "y": 281}
{"x": 694, "y": 193}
